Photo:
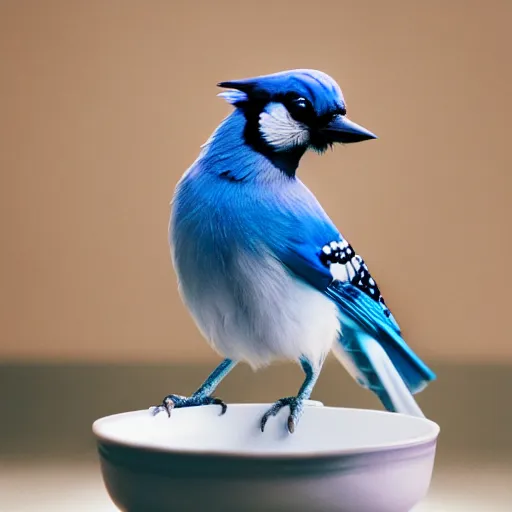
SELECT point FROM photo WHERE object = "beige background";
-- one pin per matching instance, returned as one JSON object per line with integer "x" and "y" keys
{"x": 104, "y": 104}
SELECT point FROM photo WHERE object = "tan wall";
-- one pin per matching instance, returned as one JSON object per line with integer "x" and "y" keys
{"x": 105, "y": 103}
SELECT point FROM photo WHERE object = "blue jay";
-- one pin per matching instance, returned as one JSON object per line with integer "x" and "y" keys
{"x": 262, "y": 268}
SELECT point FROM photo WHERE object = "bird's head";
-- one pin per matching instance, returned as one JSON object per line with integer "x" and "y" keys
{"x": 292, "y": 111}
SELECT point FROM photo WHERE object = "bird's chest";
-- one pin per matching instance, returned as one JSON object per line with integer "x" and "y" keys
{"x": 243, "y": 298}
{"x": 219, "y": 267}
{"x": 220, "y": 240}
{"x": 251, "y": 308}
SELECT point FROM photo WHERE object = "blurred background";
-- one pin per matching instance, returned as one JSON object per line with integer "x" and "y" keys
{"x": 104, "y": 104}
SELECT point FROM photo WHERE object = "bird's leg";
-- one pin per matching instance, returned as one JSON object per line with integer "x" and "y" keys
{"x": 202, "y": 396}
{"x": 296, "y": 403}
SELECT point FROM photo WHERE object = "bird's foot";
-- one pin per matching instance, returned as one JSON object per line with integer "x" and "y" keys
{"x": 171, "y": 402}
{"x": 296, "y": 405}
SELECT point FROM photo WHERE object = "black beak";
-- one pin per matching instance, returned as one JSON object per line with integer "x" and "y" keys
{"x": 341, "y": 129}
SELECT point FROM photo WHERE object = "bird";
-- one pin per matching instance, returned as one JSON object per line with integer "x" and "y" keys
{"x": 262, "y": 268}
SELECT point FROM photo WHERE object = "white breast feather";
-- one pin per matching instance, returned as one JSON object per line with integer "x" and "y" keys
{"x": 269, "y": 314}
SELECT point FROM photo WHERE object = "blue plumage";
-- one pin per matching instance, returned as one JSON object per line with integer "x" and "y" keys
{"x": 262, "y": 268}
{"x": 361, "y": 313}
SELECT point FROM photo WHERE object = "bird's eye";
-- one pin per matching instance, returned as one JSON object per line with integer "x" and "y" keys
{"x": 300, "y": 103}
{"x": 300, "y": 109}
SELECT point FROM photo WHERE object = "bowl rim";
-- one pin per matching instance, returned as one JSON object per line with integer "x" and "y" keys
{"x": 429, "y": 438}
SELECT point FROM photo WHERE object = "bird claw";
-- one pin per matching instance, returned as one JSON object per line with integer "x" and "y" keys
{"x": 296, "y": 407}
{"x": 171, "y": 402}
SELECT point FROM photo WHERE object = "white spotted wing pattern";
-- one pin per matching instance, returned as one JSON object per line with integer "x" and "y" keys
{"x": 345, "y": 265}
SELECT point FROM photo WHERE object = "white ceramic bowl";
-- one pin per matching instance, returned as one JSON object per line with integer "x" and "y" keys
{"x": 347, "y": 460}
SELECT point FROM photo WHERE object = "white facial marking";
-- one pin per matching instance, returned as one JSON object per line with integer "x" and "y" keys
{"x": 280, "y": 130}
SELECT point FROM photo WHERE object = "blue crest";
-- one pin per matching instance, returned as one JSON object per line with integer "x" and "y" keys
{"x": 317, "y": 87}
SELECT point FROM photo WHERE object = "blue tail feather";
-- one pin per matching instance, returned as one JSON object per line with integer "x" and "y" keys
{"x": 355, "y": 350}
{"x": 387, "y": 365}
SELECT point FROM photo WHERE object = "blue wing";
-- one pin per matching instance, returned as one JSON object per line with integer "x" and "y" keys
{"x": 330, "y": 264}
